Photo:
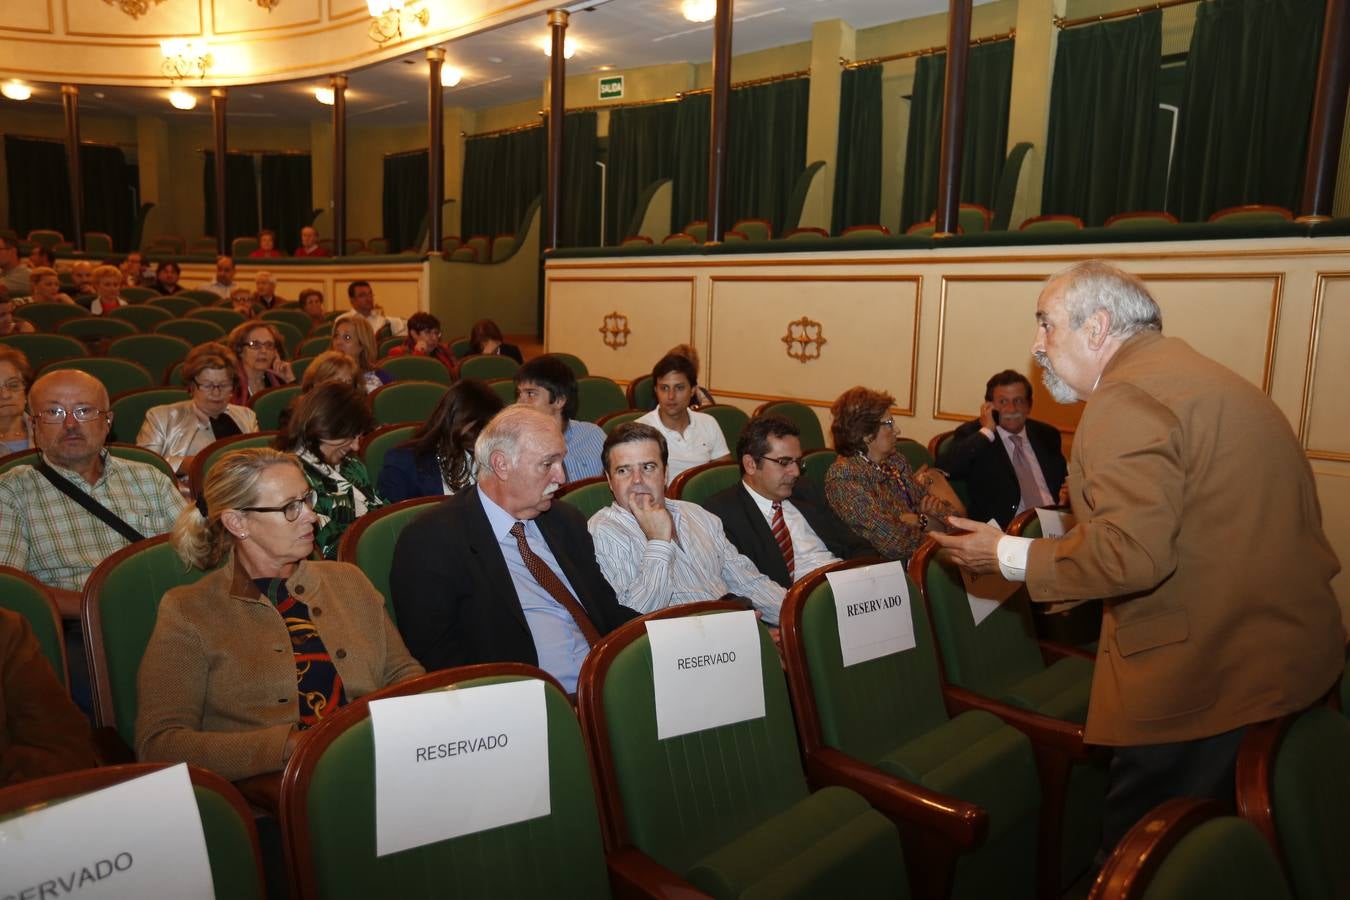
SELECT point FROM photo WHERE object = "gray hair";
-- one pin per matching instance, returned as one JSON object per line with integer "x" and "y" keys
{"x": 506, "y": 432}
{"x": 1093, "y": 285}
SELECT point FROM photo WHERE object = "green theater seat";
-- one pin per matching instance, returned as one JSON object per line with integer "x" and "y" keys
{"x": 369, "y": 543}
{"x": 25, "y": 595}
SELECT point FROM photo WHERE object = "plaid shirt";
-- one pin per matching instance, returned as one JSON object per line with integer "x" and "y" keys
{"x": 52, "y": 538}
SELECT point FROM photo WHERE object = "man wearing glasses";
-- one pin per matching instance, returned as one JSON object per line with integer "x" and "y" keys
{"x": 657, "y": 552}
{"x": 48, "y": 534}
{"x": 777, "y": 518}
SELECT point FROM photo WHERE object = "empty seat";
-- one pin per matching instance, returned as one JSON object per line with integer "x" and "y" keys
{"x": 1141, "y": 219}
{"x": 589, "y": 495}
{"x": 1052, "y": 223}
{"x": 597, "y": 397}
{"x": 1252, "y": 214}
{"x": 369, "y": 542}
{"x": 145, "y": 318}
{"x": 42, "y": 349}
{"x": 95, "y": 328}
{"x": 157, "y": 352}
{"x": 117, "y": 375}
{"x": 416, "y": 368}
{"x": 487, "y": 367}
{"x": 699, "y": 483}
{"x": 194, "y": 331}
{"x": 129, "y": 409}
{"x": 406, "y": 401}
{"x": 503, "y": 245}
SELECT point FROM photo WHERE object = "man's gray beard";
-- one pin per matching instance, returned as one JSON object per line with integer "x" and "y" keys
{"x": 1058, "y": 388}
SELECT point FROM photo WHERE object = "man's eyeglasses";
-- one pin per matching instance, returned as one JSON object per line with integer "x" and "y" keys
{"x": 56, "y": 415}
{"x": 259, "y": 345}
{"x": 785, "y": 461}
{"x": 210, "y": 387}
{"x": 290, "y": 510}
{"x": 14, "y": 385}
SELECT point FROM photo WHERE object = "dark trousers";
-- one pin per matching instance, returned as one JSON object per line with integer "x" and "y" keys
{"x": 1144, "y": 776}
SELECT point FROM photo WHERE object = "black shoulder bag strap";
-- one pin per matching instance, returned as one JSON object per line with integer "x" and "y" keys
{"x": 107, "y": 516}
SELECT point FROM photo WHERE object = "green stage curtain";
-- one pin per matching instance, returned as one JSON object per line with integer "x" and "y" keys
{"x": 988, "y": 90}
{"x": 39, "y": 188}
{"x": 857, "y": 173}
{"x": 405, "y": 197}
{"x": 579, "y": 225}
{"x": 241, "y": 195}
{"x": 766, "y": 149}
{"x": 689, "y": 188}
{"x": 503, "y": 174}
{"x": 641, "y": 150}
{"x": 287, "y": 196}
{"x": 1103, "y": 105}
{"x": 1248, "y": 99}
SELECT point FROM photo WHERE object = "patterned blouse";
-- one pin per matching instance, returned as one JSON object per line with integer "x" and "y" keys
{"x": 345, "y": 493}
{"x": 317, "y": 682}
{"x": 870, "y": 498}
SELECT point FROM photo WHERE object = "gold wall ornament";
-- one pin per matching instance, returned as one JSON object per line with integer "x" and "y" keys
{"x": 133, "y": 8}
{"x": 615, "y": 330}
{"x": 184, "y": 58}
{"x": 804, "y": 339}
{"x": 389, "y": 20}
{"x": 268, "y": 5}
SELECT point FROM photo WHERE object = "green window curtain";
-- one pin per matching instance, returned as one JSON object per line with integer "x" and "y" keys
{"x": 857, "y": 171}
{"x": 988, "y": 91}
{"x": 287, "y": 196}
{"x": 579, "y": 225}
{"x": 241, "y": 195}
{"x": 39, "y": 188}
{"x": 503, "y": 174}
{"x": 1250, "y": 78}
{"x": 109, "y": 198}
{"x": 641, "y": 151}
{"x": 1103, "y": 105}
{"x": 405, "y": 197}
{"x": 689, "y": 188}
{"x": 766, "y": 148}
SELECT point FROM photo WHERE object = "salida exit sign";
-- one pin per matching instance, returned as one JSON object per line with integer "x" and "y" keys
{"x": 611, "y": 87}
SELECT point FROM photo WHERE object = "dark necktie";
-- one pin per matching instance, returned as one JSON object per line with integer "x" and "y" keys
{"x": 780, "y": 534}
{"x": 553, "y": 584}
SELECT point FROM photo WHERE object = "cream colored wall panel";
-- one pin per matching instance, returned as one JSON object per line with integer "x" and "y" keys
{"x": 399, "y": 296}
{"x": 986, "y": 325}
{"x": 869, "y": 326}
{"x": 35, "y": 17}
{"x": 1229, "y": 318}
{"x": 1327, "y": 426}
{"x": 88, "y": 18}
{"x": 656, "y": 311}
{"x": 237, "y": 16}
{"x": 339, "y": 8}
{"x": 1333, "y": 492}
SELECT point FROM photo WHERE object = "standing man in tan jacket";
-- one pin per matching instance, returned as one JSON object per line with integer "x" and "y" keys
{"x": 1199, "y": 530}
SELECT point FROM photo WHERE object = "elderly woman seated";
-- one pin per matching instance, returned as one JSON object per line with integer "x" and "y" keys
{"x": 179, "y": 431}
{"x": 216, "y": 687}
{"x": 872, "y": 487}
{"x": 324, "y": 431}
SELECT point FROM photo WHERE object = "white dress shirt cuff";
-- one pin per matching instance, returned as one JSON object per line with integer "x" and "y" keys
{"x": 988, "y": 433}
{"x": 1012, "y": 557}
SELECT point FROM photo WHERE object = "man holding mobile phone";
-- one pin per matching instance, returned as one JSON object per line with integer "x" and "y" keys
{"x": 1009, "y": 461}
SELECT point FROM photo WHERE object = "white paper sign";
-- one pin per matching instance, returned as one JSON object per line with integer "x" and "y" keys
{"x": 705, "y": 672}
{"x": 873, "y": 608}
{"x": 1055, "y": 522}
{"x": 986, "y": 593}
{"x": 142, "y": 838}
{"x": 449, "y": 763}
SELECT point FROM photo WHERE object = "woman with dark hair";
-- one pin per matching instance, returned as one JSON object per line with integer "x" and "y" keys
{"x": 324, "y": 432}
{"x": 438, "y": 459}
{"x": 424, "y": 339}
{"x": 872, "y": 487}
{"x": 166, "y": 278}
{"x": 486, "y": 339}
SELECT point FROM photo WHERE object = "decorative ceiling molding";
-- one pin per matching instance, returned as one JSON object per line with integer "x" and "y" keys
{"x": 138, "y": 8}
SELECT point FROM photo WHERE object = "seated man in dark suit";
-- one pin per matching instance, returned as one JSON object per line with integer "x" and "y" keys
{"x": 777, "y": 518}
{"x": 499, "y": 573}
{"x": 1008, "y": 461}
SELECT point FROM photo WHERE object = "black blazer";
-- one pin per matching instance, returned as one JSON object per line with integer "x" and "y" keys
{"x": 453, "y": 595}
{"x": 988, "y": 472}
{"x": 746, "y": 528}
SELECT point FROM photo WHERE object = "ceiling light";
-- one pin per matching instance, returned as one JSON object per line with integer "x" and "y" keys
{"x": 324, "y": 95}
{"x": 182, "y": 100}
{"x": 569, "y": 46}
{"x": 451, "y": 76}
{"x": 16, "y": 90}
{"x": 699, "y": 10}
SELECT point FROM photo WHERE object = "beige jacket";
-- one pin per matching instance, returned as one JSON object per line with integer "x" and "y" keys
{"x": 1198, "y": 521}
{"x": 217, "y": 684}
{"x": 175, "y": 433}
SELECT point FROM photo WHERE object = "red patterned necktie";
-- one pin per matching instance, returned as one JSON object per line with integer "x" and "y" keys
{"x": 553, "y": 584}
{"x": 780, "y": 534}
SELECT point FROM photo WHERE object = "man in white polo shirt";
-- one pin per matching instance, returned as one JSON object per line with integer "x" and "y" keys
{"x": 693, "y": 438}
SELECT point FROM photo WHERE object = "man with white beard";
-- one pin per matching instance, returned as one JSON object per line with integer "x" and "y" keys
{"x": 501, "y": 573}
{"x": 1198, "y": 529}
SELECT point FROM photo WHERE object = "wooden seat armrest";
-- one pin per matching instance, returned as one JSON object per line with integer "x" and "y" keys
{"x": 1053, "y": 651}
{"x": 110, "y": 748}
{"x": 1045, "y": 732}
{"x": 633, "y": 873}
{"x": 963, "y": 824}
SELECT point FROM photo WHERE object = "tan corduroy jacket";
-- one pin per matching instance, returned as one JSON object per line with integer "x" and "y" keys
{"x": 217, "y": 684}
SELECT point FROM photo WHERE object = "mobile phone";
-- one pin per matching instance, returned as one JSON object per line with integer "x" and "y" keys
{"x": 994, "y": 413}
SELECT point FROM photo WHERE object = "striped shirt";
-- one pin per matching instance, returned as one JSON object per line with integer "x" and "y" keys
{"x": 51, "y": 537}
{"x": 584, "y": 440}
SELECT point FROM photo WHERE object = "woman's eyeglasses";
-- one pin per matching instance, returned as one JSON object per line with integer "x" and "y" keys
{"x": 290, "y": 510}
{"x": 259, "y": 345}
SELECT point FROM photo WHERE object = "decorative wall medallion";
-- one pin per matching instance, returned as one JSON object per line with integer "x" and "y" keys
{"x": 804, "y": 339}
{"x": 133, "y": 8}
{"x": 615, "y": 330}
